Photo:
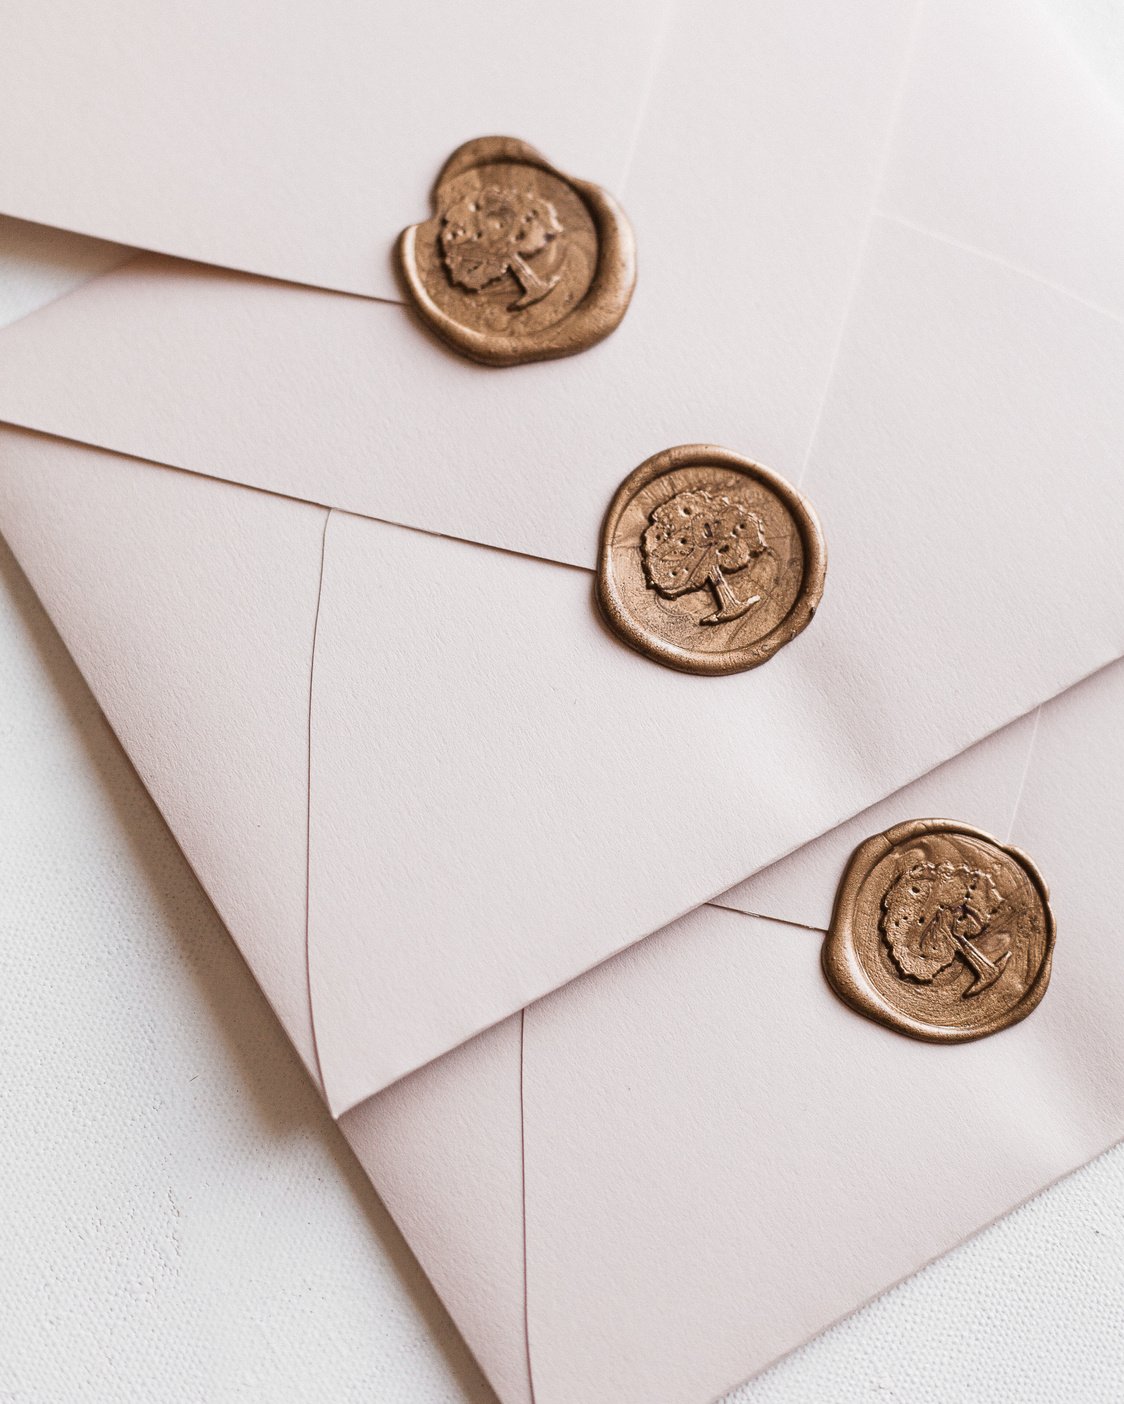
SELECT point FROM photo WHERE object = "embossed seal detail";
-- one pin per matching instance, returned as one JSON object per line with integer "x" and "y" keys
{"x": 519, "y": 262}
{"x": 493, "y": 232}
{"x": 940, "y": 932}
{"x": 698, "y": 539}
{"x": 709, "y": 563}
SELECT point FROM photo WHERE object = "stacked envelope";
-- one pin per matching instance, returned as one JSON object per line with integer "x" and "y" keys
{"x": 533, "y": 908}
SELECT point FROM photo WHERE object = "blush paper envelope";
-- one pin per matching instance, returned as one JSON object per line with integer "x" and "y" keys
{"x": 422, "y": 783}
{"x": 295, "y": 140}
{"x": 654, "y": 1182}
{"x": 331, "y": 587}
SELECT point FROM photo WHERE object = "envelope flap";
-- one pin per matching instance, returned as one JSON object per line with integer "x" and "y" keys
{"x": 296, "y": 141}
{"x": 710, "y": 1125}
{"x": 444, "y": 1149}
{"x": 615, "y": 1067}
{"x": 350, "y": 404}
{"x": 538, "y": 797}
{"x": 502, "y": 795}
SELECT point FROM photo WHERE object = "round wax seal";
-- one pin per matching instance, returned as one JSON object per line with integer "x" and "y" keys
{"x": 519, "y": 262}
{"x": 940, "y": 932}
{"x": 709, "y": 563}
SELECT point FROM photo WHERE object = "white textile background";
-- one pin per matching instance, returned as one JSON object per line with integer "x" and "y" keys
{"x": 179, "y": 1219}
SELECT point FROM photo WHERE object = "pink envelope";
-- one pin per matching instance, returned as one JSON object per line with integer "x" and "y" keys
{"x": 331, "y": 587}
{"x": 296, "y": 140}
{"x": 656, "y": 1181}
{"x": 467, "y": 705}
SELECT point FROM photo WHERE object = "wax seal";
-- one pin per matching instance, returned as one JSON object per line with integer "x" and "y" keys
{"x": 940, "y": 932}
{"x": 519, "y": 262}
{"x": 709, "y": 563}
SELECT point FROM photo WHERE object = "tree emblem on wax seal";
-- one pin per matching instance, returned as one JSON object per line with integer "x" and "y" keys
{"x": 935, "y": 912}
{"x": 696, "y": 540}
{"x": 940, "y": 932}
{"x": 486, "y": 235}
{"x": 519, "y": 262}
{"x": 709, "y": 562}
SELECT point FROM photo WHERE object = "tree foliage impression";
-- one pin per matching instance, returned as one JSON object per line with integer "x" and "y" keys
{"x": 935, "y": 912}
{"x": 697, "y": 539}
{"x": 493, "y": 232}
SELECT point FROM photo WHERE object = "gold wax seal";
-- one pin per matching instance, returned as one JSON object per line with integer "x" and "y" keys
{"x": 519, "y": 262}
{"x": 940, "y": 932}
{"x": 709, "y": 563}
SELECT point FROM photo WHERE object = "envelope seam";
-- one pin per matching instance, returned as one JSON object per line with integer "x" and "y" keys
{"x": 166, "y": 467}
{"x": 659, "y": 55}
{"x": 765, "y": 916}
{"x": 308, "y": 806}
{"x": 864, "y": 243}
{"x": 1025, "y": 775}
{"x": 998, "y": 261}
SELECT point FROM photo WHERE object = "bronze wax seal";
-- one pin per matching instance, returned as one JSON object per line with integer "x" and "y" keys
{"x": 709, "y": 563}
{"x": 940, "y": 932}
{"x": 519, "y": 262}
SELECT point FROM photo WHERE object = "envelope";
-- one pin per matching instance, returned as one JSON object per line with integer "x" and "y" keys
{"x": 659, "y": 1179}
{"x": 472, "y": 726}
{"x": 331, "y": 587}
{"x": 296, "y": 140}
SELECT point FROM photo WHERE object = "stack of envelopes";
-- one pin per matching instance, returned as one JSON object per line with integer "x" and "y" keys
{"x": 533, "y": 908}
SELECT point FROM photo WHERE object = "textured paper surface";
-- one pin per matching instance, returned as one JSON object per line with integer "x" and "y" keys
{"x": 96, "y": 884}
{"x": 200, "y": 653}
{"x": 179, "y": 1220}
{"x": 297, "y": 141}
{"x": 1003, "y": 379}
{"x": 353, "y": 405}
{"x": 563, "y": 1371}
{"x": 982, "y": 781}
{"x": 705, "y": 1126}
{"x": 958, "y": 380}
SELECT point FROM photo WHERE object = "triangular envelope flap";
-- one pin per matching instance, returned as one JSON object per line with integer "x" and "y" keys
{"x": 296, "y": 140}
{"x": 503, "y": 796}
{"x": 1004, "y": 144}
{"x": 189, "y": 607}
{"x": 981, "y": 784}
{"x": 729, "y": 338}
